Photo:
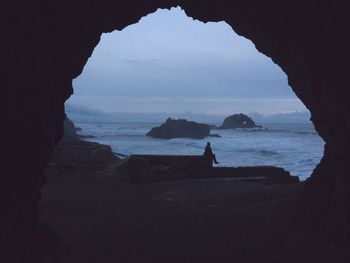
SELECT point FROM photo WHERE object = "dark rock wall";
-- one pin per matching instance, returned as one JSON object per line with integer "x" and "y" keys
{"x": 46, "y": 44}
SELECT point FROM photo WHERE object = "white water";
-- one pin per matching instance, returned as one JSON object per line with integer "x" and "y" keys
{"x": 295, "y": 147}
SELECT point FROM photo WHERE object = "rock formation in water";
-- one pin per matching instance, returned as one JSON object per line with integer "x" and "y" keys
{"x": 180, "y": 129}
{"x": 238, "y": 121}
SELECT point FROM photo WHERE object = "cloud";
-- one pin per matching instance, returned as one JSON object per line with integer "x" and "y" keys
{"x": 140, "y": 61}
{"x": 169, "y": 62}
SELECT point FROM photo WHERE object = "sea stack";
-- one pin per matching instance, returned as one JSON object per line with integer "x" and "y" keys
{"x": 238, "y": 121}
{"x": 180, "y": 129}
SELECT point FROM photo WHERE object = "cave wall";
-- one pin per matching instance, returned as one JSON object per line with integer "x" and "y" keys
{"x": 46, "y": 44}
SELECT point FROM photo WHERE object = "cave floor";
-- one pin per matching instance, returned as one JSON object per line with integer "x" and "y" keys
{"x": 102, "y": 219}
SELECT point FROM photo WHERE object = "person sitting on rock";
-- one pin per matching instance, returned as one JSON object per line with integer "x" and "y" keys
{"x": 208, "y": 153}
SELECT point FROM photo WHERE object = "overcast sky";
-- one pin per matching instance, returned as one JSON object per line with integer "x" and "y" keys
{"x": 169, "y": 62}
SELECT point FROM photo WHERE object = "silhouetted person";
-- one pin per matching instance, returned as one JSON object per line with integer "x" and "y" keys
{"x": 208, "y": 153}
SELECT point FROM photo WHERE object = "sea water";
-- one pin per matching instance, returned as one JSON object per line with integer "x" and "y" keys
{"x": 295, "y": 147}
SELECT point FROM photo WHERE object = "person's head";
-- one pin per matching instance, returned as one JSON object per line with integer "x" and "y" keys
{"x": 208, "y": 143}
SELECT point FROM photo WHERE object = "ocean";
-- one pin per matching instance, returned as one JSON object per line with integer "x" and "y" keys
{"x": 294, "y": 146}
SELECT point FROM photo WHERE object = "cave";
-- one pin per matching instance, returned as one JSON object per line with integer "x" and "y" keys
{"x": 48, "y": 45}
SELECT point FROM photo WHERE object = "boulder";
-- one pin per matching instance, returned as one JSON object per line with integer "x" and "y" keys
{"x": 238, "y": 121}
{"x": 180, "y": 129}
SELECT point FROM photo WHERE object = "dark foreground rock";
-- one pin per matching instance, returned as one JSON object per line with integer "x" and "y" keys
{"x": 70, "y": 130}
{"x": 160, "y": 168}
{"x": 180, "y": 129}
{"x": 266, "y": 174}
{"x": 75, "y": 153}
{"x": 238, "y": 121}
{"x": 173, "y": 222}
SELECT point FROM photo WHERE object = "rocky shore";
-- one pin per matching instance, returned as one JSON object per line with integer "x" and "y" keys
{"x": 162, "y": 168}
{"x": 236, "y": 215}
{"x": 73, "y": 152}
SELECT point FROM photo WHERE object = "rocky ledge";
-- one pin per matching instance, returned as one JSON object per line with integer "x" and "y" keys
{"x": 180, "y": 129}
{"x": 74, "y": 152}
{"x": 238, "y": 121}
{"x": 161, "y": 168}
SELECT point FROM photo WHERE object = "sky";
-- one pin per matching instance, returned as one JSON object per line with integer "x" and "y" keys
{"x": 170, "y": 63}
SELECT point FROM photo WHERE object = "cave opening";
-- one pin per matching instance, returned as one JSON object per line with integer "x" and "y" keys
{"x": 169, "y": 65}
{"x": 309, "y": 41}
